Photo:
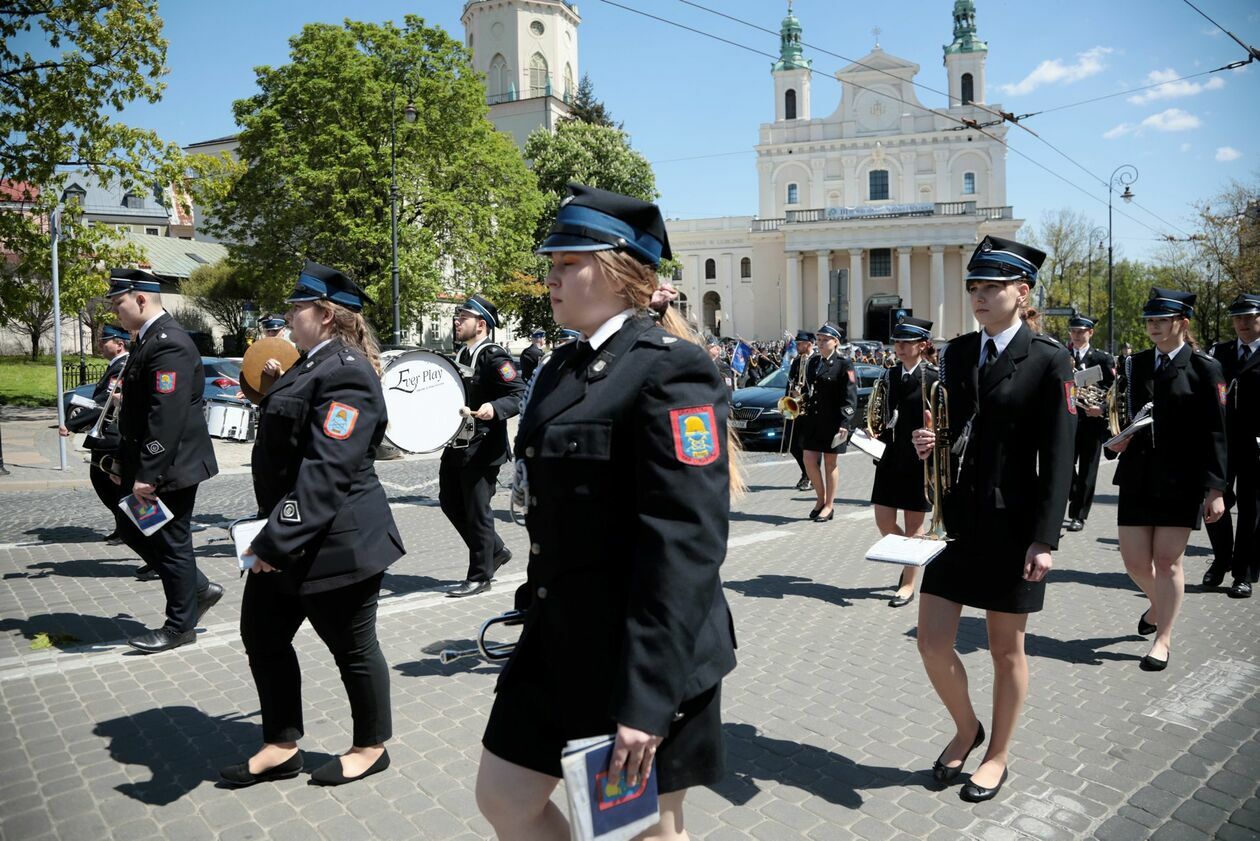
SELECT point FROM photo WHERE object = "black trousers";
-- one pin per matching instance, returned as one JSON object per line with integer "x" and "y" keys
{"x": 108, "y": 493}
{"x": 1239, "y": 552}
{"x": 465, "y": 493}
{"x": 792, "y": 433}
{"x": 169, "y": 551}
{"x": 272, "y": 610}
{"x": 1089, "y": 440}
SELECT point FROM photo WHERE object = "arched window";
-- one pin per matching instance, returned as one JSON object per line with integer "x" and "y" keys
{"x": 745, "y": 267}
{"x": 968, "y": 89}
{"x": 879, "y": 184}
{"x": 539, "y": 83}
{"x": 789, "y": 105}
{"x": 793, "y": 194}
{"x": 498, "y": 80}
{"x": 570, "y": 90}
{"x": 710, "y": 269}
{"x": 969, "y": 183}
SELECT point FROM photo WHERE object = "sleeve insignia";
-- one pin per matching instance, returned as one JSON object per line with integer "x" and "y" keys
{"x": 507, "y": 371}
{"x": 1069, "y": 394}
{"x": 695, "y": 438}
{"x": 852, "y": 376}
{"x": 165, "y": 382}
{"x": 155, "y": 447}
{"x": 289, "y": 512}
{"x": 340, "y": 420}
{"x": 1222, "y": 393}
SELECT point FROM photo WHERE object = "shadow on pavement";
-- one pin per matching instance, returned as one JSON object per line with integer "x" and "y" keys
{"x": 91, "y": 568}
{"x": 1118, "y": 580}
{"x": 69, "y": 630}
{"x": 831, "y": 776}
{"x": 432, "y": 666}
{"x": 66, "y": 534}
{"x": 398, "y": 584}
{"x": 781, "y": 586}
{"x": 973, "y": 636}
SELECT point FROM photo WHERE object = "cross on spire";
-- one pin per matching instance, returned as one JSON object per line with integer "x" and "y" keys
{"x": 877, "y": 32}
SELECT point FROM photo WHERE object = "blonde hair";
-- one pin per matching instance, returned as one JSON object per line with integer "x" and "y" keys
{"x": 352, "y": 330}
{"x": 635, "y": 282}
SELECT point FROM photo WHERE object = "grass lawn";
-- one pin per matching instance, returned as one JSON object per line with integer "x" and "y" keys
{"x": 27, "y": 383}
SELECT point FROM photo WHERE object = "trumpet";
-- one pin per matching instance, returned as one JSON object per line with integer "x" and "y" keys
{"x": 938, "y": 466}
{"x": 493, "y": 652}
{"x": 109, "y": 412}
{"x": 877, "y": 408}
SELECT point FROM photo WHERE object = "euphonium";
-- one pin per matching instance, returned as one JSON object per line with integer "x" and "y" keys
{"x": 1117, "y": 410}
{"x": 877, "y": 408}
{"x": 937, "y": 467}
{"x": 792, "y": 404}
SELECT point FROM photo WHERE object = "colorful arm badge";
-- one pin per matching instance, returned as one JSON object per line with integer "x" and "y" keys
{"x": 695, "y": 435}
{"x": 340, "y": 420}
{"x": 1069, "y": 393}
{"x": 165, "y": 382}
{"x": 507, "y": 371}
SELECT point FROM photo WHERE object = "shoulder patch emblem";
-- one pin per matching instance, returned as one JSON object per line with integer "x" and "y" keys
{"x": 289, "y": 512}
{"x": 165, "y": 382}
{"x": 852, "y": 376}
{"x": 1069, "y": 394}
{"x": 695, "y": 438}
{"x": 340, "y": 420}
{"x": 507, "y": 371}
{"x": 1222, "y": 393}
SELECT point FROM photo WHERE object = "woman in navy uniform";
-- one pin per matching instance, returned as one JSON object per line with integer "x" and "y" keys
{"x": 1240, "y": 361}
{"x": 625, "y": 468}
{"x": 899, "y": 474}
{"x": 1171, "y": 474}
{"x": 1012, "y": 415}
{"x": 831, "y": 401}
{"x": 329, "y": 535}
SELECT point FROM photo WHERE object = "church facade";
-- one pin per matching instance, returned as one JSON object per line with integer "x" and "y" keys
{"x": 872, "y": 208}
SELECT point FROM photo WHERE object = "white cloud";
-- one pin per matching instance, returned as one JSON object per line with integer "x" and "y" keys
{"x": 1173, "y": 119}
{"x": 1118, "y": 131}
{"x": 1053, "y": 71}
{"x": 1171, "y": 89}
{"x": 1225, "y": 154}
{"x": 1185, "y": 147}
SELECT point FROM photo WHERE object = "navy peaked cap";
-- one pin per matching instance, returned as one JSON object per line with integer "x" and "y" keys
{"x": 538, "y": 334}
{"x": 567, "y": 335}
{"x": 804, "y": 336}
{"x": 911, "y": 329}
{"x": 592, "y": 219}
{"x": 1083, "y": 321}
{"x": 1169, "y": 303}
{"x": 122, "y": 281}
{"x": 830, "y": 330}
{"x": 271, "y": 322}
{"x": 481, "y": 308}
{"x": 321, "y": 283}
{"x": 109, "y": 331}
{"x": 996, "y": 258}
{"x": 1245, "y": 304}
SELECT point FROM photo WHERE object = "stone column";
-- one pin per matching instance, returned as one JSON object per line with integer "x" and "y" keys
{"x": 938, "y": 287}
{"x": 857, "y": 297}
{"x": 792, "y": 293}
{"x": 904, "y": 286}
{"x": 967, "y": 320}
{"x": 824, "y": 285}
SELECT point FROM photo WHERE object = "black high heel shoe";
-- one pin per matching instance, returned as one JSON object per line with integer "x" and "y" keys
{"x": 1150, "y": 664}
{"x": 826, "y": 519}
{"x": 973, "y": 793}
{"x": 942, "y": 773}
{"x": 813, "y": 515}
{"x": 1146, "y": 628}
{"x": 239, "y": 776}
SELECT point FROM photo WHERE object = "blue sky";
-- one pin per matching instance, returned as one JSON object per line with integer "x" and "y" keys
{"x": 693, "y": 105}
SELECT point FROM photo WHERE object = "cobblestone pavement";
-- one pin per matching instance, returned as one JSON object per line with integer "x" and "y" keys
{"x": 831, "y": 724}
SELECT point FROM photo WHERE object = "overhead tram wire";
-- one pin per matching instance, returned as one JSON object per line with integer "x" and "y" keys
{"x": 1253, "y": 54}
{"x": 963, "y": 124}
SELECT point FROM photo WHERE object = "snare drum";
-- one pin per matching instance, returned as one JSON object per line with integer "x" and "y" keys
{"x": 423, "y": 397}
{"x": 230, "y": 419}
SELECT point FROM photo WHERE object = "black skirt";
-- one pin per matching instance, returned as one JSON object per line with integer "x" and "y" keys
{"x": 1138, "y": 509}
{"x": 528, "y": 728}
{"x": 899, "y": 480}
{"x": 986, "y": 570}
{"x": 818, "y": 433}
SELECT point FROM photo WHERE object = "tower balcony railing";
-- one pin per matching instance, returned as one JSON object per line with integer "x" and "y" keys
{"x": 532, "y": 93}
{"x": 888, "y": 211}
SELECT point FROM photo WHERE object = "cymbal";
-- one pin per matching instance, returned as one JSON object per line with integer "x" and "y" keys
{"x": 254, "y": 383}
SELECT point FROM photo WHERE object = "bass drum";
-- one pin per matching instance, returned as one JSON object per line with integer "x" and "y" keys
{"x": 423, "y": 396}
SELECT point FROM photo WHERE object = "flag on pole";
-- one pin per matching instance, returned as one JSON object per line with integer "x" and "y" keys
{"x": 739, "y": 359}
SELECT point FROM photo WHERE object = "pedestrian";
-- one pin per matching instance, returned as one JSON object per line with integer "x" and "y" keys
{"x": 329, "y": 535}
{"x": 1091, "y": 422}
{"x": 1011, "y": 418}
{"x": 830, "y": 405}
{"x": 724, "y": 369}
{"x": 469, "y": 472}
{"x": 532, "y": 355}
{"x": 627, "y": 468}
{"x": 1240, "y": 364}
{"x": 164, "y": 452}
{"x": 1171, "y": 474}
{"x": 899, "y": 480}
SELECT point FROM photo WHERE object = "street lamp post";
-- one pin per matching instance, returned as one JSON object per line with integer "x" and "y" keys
{"x": 1095, "y": 236}
{"x": 409, "y": 114}
{"x": 1123, "y": 175}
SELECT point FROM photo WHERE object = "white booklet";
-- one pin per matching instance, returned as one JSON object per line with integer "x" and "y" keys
{"x": 908, "y": 551}
{"x": 1142, "y": 421}
{"x": 148, "y": 516}
{"x": 243, "y": 533}
{"x": 601, "y": 808}
{"x": 873, "y": 447}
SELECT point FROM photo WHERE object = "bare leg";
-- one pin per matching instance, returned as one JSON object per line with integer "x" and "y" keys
{"x": 831, "y": 474}
{"x": 938, "y": 628}
{"x": 814, "y": 471}
{"x": 1137, "y": 550}
{"x": 671, "y": 826}
{"x": 1169, "y": 586}
{"x": 910, "y": 574}
{"x": 1010, "y": 689}
{"x": 886, "y": 520}
{"x": 517, "y": 801}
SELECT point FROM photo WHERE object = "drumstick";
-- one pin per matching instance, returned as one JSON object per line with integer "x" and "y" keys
{"x": 465, "y": 412}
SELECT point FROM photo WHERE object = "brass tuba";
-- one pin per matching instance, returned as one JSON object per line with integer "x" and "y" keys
{"x": 938, "y": 469}
{"x": 877, "y": 407}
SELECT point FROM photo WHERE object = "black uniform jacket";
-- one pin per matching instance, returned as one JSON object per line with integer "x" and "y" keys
{"x": 530, "y": 357}
{"x": 831, "y": 386}
{"x": 906, "y": 399}
{"x": 496, "y": 381}
{"x": 1104, "y": 361}
{"x": 1182, "y": 453}
{"x": 164, "y": 437}
{"x": 628, "y": 518}
{"x": 1242, "y": 404}
{"x": 1018, "y": 460}
{"x": 794, "y": 373}
{"x": 83, "y": 419}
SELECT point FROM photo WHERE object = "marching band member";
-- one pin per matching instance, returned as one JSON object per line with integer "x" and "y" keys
{"x": 794, "y": 429}
{"x": 272, "y": 327}
{"x": 831, "y": 388}
{"x": 1012, "y": 414}
{"x": 624, "y": 461}
{"x": 329, "y": 535}
{"x": 899, "y": 474}
{"x": 724, "y": 367}
{"x": 532, "y": 355}
{"x": 1091, "y": 423}
{"x": 1172, "y": 473}
{"x": 165, "y": 452}
{"x": 1240, "y": 363}
{"x": 469, "y": 472}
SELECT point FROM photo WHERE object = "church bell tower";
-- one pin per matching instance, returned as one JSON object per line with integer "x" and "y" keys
{"x": 965, "y": 57}
{"x": 791, "y": 73}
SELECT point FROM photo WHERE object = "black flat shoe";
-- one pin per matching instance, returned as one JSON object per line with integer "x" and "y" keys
{"x": 163, "y": 639}
{"x": 942, "y": 773}
{"x": 1240, "y": 590}
{"x": 1146, "y": 628}
{"x": 331, "y": 774}
{"x": 813, "y": 515}
{"x": 898, "y": 601}
{"x": 1075, "y": 525}
{"x": 146, "y": 573}
{"x": 826, "y": 519}
{"x": 973, "y": 793}
{"x": 238, "y": 776}
{"x": 1150, "y": 664}
{"x": 113, "y": 538}
{"x": 207, "y": 599}
{"x": 1213, "y": 579}
{"x": 468, "y": 588}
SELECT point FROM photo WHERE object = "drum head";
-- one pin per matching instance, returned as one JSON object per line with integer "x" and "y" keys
{"x": 423, "y": 396}
{"x": 254, "y": 383}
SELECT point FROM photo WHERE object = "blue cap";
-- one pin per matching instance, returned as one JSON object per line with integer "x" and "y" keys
{"x": 567, "y": 335}
{"x": 481, "y": 308}
{"x": 1169, "y": 303}
{"x": 1245, "y": 304}
{"x": 321, "y": 283}
{"x": 538, "y": 334}
{"x": 830, "y": 330}
{"x": 109, "y": 331}
{"x": 1001, "y": 259}
{"x": 804, "y": 336}
{"x": 271, "y": 322}
{"x": 911, "y": 329}
{"x": 598, "y": 220}
{"x": 122, "y": 281}
{"x": 1082, "y": 321}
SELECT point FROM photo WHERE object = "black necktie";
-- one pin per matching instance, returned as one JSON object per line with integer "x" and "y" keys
{"x": 1160, "y": 361}
{"x": 906, "y": 379}
{"x": 581, "y": 357}
{"x": 1246, "y": 353}
{"x": 990, "y": 355}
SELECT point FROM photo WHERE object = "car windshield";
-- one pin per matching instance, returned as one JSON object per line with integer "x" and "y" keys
{"x": 229, "y": 368}
{"x": 778, "y": 379}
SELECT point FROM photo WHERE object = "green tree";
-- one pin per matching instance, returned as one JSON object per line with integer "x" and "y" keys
{"x": 222, "y": 292}
{"x": 586, "y": 108}
{"x": 317, "y": 141}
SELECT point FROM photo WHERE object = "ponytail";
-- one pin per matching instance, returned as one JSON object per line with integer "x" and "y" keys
{"x": 353, "y": 331}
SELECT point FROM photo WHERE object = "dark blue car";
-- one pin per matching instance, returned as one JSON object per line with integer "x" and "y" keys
{"x": 754, "y": 412}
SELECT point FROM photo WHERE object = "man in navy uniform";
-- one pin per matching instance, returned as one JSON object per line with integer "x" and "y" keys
{"x": 1240, "y": 360}
{"x": 532, "y": 355}
{"x": 272, "y": 327}
{"x": 1091, "y": 427}
{"x": 165, "y": 452}
{"x": 470, "y": 465}
{"x": 792, "y": 430}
